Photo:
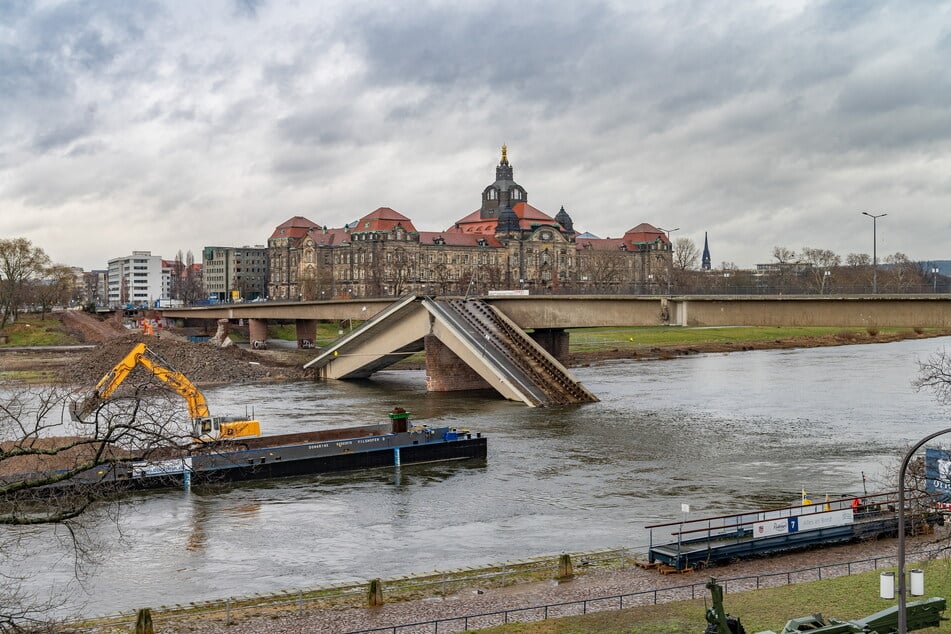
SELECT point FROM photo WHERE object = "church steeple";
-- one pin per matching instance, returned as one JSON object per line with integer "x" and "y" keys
{"x": 705, "y": 260}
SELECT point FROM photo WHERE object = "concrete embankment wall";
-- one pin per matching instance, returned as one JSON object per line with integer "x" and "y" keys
{"x": 926, "y": 313}
{"x": 563, "y": 312}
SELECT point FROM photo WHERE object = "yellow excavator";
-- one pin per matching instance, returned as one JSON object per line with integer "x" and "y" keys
{"x": 205, "y": 428}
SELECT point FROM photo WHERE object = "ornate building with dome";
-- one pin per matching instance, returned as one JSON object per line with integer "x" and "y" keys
{"x": 506, "y": 244}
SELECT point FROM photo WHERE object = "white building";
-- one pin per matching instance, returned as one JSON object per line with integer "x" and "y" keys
{"x": 135, "y": 279}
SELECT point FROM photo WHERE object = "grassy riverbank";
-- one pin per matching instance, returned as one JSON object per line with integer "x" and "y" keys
{"x": 34, "y": 330}
{"x": 844, "y": 598}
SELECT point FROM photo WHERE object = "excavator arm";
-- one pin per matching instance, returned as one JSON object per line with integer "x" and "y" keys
{"x": 206, "y": 427}
{"x": 114, "y": 377}
{"x": 197, "y": 406}
{"x": 141, "y": 355}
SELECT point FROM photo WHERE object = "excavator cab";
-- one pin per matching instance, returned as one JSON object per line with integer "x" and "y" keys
{"x": 209, "y": 428}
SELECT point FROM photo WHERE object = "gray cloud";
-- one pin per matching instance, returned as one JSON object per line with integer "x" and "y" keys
{"x": 764, "y": 124}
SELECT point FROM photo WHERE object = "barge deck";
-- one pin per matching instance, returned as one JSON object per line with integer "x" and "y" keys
{"x": 712, "y": 540}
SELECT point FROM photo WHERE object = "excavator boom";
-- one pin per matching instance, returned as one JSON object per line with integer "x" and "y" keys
{"x": 206, "y": 426}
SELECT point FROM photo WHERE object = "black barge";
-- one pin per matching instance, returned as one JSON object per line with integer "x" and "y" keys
{"x": 264, "y": 457}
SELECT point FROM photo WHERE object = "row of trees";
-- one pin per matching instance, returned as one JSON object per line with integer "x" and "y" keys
{"x": 28, "y": 277}
{"x": 811, "y": 270}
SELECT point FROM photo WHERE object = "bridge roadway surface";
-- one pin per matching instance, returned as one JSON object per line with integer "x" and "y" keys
{"x": 590, "y": 311}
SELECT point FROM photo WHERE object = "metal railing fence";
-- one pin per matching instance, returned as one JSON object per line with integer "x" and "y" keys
{"x": 634, "y": 599}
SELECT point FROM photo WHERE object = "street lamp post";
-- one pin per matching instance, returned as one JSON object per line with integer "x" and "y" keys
{"x": 902, "y": 591}
{"x": 934, "y": 273}
{"x": 874, "y": 248}
{"x": 668, "y": 232}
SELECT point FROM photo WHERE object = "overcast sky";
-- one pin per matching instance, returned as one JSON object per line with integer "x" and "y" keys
{"x": 173, "y": 125}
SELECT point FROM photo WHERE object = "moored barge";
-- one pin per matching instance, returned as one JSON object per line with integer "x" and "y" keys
{"x": 263, "y": 457}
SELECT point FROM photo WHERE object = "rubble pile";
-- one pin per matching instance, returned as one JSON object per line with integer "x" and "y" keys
{"x": 202, "y": 363}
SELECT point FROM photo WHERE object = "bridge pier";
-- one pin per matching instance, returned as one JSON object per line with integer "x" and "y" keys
{"x": 554, "y": 341}
{"x": 446, "y": 372}
{"x": 257, "y": 333}
{"x": 306, "y": 332}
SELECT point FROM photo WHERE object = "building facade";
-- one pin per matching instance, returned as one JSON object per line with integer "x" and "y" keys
{"x": 135, "y": 280}
{"x": 504, "y": 244}
{"x": 235, "y": 273}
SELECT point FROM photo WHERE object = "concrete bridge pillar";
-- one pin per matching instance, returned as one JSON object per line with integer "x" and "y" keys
{"x": 554, "y": 341}
{"x": 446, "y": 372}
{"x": 257, "y": 333}
{"x": 306, "y": 332}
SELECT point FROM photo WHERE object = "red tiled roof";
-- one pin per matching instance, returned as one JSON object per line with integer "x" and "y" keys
{"x": 645, "y": 233}
{"x": 295, "y": 227}
{"x": 383, "y": 219}
{"x": 602, "y": 244}
{"x": 330, "y": 237}
{"x": 456, "y": 239}
{"x": 527, "y": 217}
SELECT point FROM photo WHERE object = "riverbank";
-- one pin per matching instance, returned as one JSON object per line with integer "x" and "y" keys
{"x": 264, "y": 617}
{"x": 633, "y": 349}
{"x": 206, "y": 365}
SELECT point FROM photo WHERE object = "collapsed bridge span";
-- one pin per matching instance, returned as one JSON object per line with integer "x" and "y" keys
{"x": 466, "y": 339}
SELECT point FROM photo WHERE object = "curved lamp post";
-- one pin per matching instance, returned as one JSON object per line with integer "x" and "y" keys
{"x": 902, "y": 590}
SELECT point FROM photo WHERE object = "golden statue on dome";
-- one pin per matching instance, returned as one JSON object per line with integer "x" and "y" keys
{"x": 505, "y": 158}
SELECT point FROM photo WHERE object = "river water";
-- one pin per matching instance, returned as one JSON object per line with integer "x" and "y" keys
{"x": 721, "y": 432}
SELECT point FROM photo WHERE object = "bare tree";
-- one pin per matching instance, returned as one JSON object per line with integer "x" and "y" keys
{"x": 903, "y": 273}
{"x": 858, "y": 259}
{"x": 58, "y": 472}
{"x": 686, "y": 254}
{"x": 56, "y": 288}
{"x": 602, "y": 271}
{"x": 400, "y": 270}
{"x": 192, "y": 286}
{"x": 176, "y": 283}
{"x": 782, "y": 255}
{"x": 20, "y": 265}
{"x": 785, "y": 259}
{"x": 821, "y": 262}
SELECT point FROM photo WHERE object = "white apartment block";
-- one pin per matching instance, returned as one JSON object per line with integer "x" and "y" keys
{"x": 135, "y": 279}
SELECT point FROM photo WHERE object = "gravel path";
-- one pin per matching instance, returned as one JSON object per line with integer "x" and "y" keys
{"x": 590, "y": 585}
